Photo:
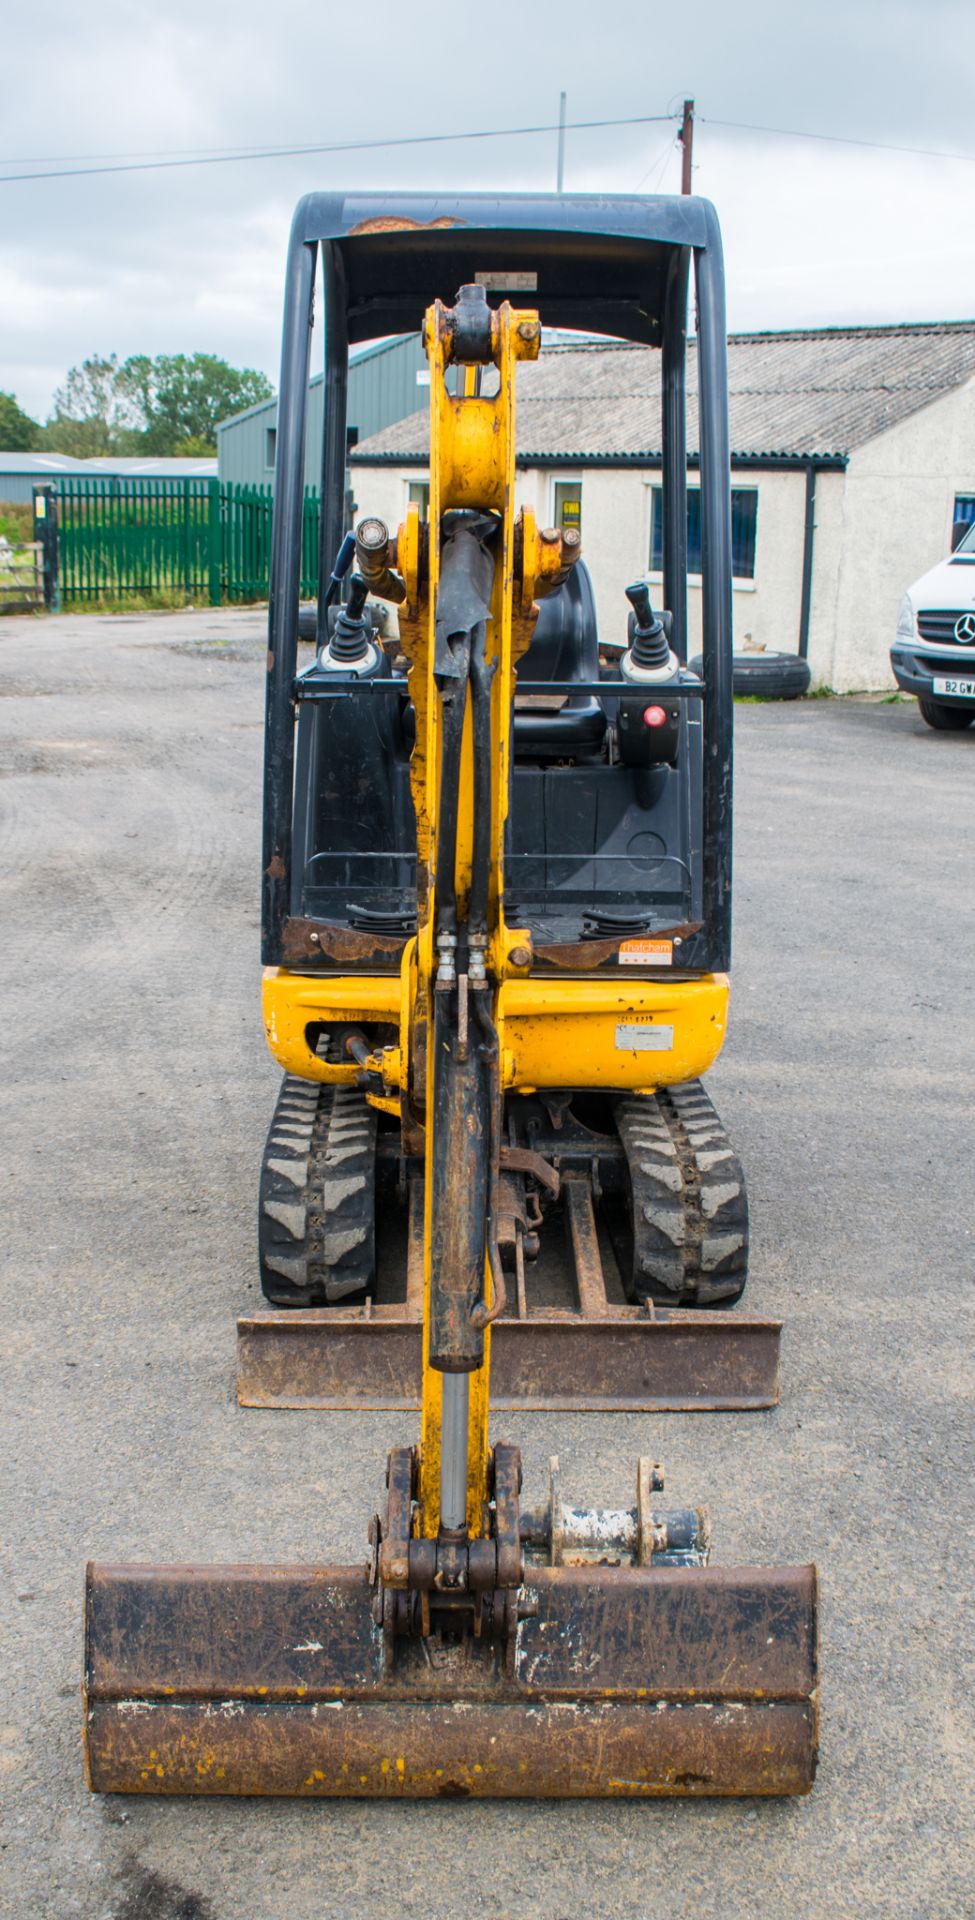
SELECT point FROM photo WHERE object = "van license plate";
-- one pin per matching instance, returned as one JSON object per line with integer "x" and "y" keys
{"x": 962, "y": 689}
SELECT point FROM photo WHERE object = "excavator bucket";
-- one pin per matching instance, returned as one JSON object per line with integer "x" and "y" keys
{"x": 621, "y": 1682}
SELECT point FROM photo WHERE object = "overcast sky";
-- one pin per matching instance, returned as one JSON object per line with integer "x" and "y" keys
{"x": 192, "y": 260}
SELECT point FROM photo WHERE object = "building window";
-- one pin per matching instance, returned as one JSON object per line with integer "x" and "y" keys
{"x": 568, "y": 504}
{"x": 419, "y": 491}
{"x": 270, "y": 446}
{"x": 744, "y": 516}
{"x": 964, "y": 508}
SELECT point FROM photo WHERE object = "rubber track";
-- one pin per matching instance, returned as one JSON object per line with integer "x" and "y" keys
{"x": 689, "y": 1208}
{"x": 317, "y": 1210}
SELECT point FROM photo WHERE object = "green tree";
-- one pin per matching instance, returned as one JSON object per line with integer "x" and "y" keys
{"x": 18, "y": 432}
{"x": 98, "y": 410}
{"x": 183, "y": 396}
{"x": 167, "y": 405}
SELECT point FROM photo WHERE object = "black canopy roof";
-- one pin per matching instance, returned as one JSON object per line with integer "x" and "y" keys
{"x": 601, "y": 262}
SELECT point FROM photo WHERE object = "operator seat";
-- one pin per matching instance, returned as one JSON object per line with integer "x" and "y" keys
{"x": 564, "y": 646}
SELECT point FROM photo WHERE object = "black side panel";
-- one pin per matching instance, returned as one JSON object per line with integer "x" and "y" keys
{"x": 355, "y": 836}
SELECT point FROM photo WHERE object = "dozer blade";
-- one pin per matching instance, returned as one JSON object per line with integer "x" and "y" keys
{"x": 620, "y": 1360}
{"x": 625, "y": 1682}
{"x": 592, "y": 1352}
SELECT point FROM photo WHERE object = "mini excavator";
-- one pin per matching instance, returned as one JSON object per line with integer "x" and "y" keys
{"x": 496, "y": 932}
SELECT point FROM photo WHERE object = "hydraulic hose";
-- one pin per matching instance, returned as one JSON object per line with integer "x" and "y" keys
{"x": 453, "y": 700}
{"x": 372, "y": 559}
{"x": 462, "y": 609}
{"x": 490, "y": 1054}
{"x": 482, "y": 676}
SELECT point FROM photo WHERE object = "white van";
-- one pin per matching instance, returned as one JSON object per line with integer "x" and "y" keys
{"x": 933, "y": 655}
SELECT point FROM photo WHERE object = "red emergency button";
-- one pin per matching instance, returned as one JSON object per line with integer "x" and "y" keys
{"x": 654, "y": 717}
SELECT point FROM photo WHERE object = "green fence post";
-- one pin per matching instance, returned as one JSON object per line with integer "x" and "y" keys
{"x": 215, "y": 541}
{"x": 187, "y": 538}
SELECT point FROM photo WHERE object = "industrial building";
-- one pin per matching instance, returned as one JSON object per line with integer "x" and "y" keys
{"x": 853, "y": 451}
{"x": 384, "y": 384}
{"x": 20, "y": 473}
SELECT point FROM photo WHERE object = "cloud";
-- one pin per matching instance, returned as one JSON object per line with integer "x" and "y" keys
{"x": 186, "y": 260}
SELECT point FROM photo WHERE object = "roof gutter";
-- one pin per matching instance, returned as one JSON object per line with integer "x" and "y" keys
{"x": 759, "y": 462}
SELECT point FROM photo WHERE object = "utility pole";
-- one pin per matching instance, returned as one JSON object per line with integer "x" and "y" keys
{"x": 560, "y": 169}
{"x": 686, "y": 138}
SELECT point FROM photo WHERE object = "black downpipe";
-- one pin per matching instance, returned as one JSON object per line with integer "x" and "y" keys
{"x": 716, "y": 584}
{"x": 808, "y": 536}
{"x": 335, "y": 402}
{"x": 674, "y": 474}
{"x": 283, "y": 595}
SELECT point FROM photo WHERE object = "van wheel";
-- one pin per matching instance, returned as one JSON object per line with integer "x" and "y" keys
{"x": 946, "y": 719}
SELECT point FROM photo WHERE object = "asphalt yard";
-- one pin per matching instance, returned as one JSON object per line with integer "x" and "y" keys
{"x": 136, "y": 1093}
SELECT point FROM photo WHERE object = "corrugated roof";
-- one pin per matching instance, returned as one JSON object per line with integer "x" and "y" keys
{"x": 357, "y": 357}
{"x": 822, "y": 392}
{"x": 129, "y": 467}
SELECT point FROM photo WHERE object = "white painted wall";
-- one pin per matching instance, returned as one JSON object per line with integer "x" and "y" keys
{"x": 827, "y": 549}
{"x": 616, "y": 506}
{"x": 878, "y": 527}
{"x": 383, "y": 491}
{"x": 765, "y": 610}
{"x": 893, "y": 524}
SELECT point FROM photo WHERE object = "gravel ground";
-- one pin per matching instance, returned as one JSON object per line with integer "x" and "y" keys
{"x": 136, "y": 1094}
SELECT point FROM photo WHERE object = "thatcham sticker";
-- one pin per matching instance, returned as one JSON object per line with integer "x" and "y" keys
{"x": 646, "y": 953}
{"x": 645, "y": 1039}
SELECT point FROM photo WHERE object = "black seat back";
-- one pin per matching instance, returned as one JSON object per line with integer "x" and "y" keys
{"x": 565, "y": 646}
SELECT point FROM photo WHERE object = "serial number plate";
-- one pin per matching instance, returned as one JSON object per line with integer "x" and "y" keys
{"x": 514, "y": 282}
{"x": 962, "y": 689}
{"x": 633, "y": 1039}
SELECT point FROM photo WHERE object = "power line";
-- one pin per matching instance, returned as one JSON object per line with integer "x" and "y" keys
{"x": 124, "y": 153}
{"x": 837, "y": 139}
{"x": 148, "y": 158}
{"x": 659, "y": 158}
{"x": 229, "y": 157}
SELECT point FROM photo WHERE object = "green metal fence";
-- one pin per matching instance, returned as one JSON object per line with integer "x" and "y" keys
{"x": 192, "y": 538}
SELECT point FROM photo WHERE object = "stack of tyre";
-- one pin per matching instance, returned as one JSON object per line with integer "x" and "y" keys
{"x": 765, "y": 676}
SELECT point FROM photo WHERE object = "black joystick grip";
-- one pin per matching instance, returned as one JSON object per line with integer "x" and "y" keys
{"x": 639, "y": 598}
{"x": 353, "y": 628}
{"x": 648, "y": 637}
